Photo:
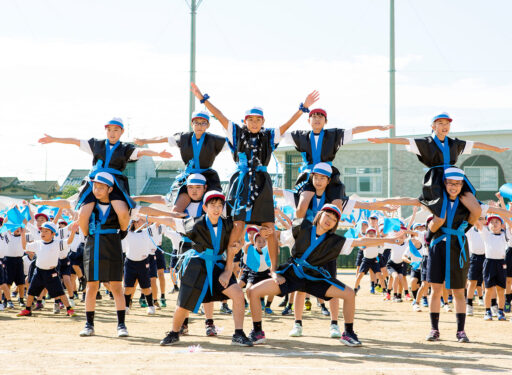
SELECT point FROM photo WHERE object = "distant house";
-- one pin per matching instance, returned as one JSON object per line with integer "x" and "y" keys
{"x": 165, "y": 173}
{"x": 75, "y": 178}
{"x": 14, "y": 188}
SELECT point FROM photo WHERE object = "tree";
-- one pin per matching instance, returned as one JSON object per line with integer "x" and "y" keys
{"x": 69, "y": 191}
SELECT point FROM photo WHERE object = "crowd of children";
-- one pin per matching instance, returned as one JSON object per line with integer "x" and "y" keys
{"x": 225, "y": 243}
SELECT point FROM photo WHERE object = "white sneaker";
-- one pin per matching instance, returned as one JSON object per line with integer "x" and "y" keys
{"x": 480, "y": 302}
{"x": 87, "y": 331}
{"x": 447, "y": 308}
{"x": 334, "y": 331}
{"x": 151, "y": 310}
{"x": 469, "y": 310}
{"x": 127, "y": 310}
{"x": 72, "y": 303}
{"x": 56, "y": 308}
{"x": 296, "y": 330}
{"x": 494, "y": 311}
{"x": 416, "y": 307}
{"x": 122, "y": 331}
{"x": 2, "y": 308}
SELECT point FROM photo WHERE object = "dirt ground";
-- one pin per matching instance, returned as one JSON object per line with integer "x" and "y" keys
{"x": 392, "y": 334}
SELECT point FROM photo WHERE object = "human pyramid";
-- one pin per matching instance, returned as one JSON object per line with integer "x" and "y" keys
{"x": 225, "y": 243}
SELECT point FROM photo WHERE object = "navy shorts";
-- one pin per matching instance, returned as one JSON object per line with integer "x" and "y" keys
{"x": 385, "y": 257}
{"x": 495, "y": 273}
{"x": 160, "y": 260}
{"x": 136, "y": 270}
{"x": 315, "y": 288}
{"x": 424, "y": 267}
{"x": 152, "y": 265}
{"x": 395, "y": 267}
{"x": 3, "y": 275}
{"x": 15, "y": 271}
{"x": 46, "y": 279}
{"x": 406, "y": 269}
{"x": 416, "y": 274}
{"x": 255, "y": 277}
{"x": 436, "y": 271}
{"x": 369, "y": 264}
{"x": 238, "y": 256}
{"x": 64, "y": 267}
{"x": 244, "y": 275}
{"x": 476, "y": 268}
{"x": 359, "y": 258}
{"x": 508, "y": 261}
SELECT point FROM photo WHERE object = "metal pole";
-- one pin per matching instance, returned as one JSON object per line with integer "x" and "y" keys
{"x": 392, "y": 119}
{"x": 193, "y": 12}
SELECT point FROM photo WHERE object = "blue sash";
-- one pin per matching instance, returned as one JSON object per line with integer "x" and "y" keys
{"x": 414, "y": 251}
{"x": 315, "y": 207}
{"x": 254, "y": 258}
{"x": 96, "y": 232}
{"x": 300, "y": 265}
{"x": 448, "y": 232}
{"x": 211, "y": 258}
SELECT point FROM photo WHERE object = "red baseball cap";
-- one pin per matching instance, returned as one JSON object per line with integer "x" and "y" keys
{"x": 318, "y": 110}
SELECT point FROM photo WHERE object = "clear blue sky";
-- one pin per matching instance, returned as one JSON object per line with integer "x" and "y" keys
{"x": 69, "y": 66}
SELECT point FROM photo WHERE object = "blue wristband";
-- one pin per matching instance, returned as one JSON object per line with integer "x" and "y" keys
{"x": 205, "y": 98}
{"x": 303, "y": 109}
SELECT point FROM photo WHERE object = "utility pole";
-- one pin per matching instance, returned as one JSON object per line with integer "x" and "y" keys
{"x": 194, "y": 5}
{"x": 392, "y": 117}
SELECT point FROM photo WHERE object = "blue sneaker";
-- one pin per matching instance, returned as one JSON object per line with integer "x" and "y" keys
{"x": 488, "y": 315}
{"x": 424, "y": 302}
{"x": 501, "y": 315}
{"x": 507, "y": 307}
{"x": 287, "y": 311}
{"x": 268, "y": 311}
{"x": 372, "y": 290}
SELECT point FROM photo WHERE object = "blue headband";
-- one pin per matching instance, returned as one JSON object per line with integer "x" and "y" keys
{"x": 196, "y": 181}
{"x": 454, "y": 174}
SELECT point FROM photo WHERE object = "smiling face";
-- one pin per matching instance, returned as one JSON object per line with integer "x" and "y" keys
{"x": 317, "y": 122}
{"x": 40, "y": 221}
{"x": 260, "y": 242}
{"x": 46, "y": 234}
{"x": 199, "y": 126}
{"x": 453, "y": 187}
{"x": 320, "y": 181}
{"x": 114, "y": 132}
{"x": 214, "y": 208}
{"x": 327, "y": 221}
{"x": 495, "y": 225}
{"x": 254, "y": 123}
{"x": 196, "y": 192}
{"x": 441, "y": 127}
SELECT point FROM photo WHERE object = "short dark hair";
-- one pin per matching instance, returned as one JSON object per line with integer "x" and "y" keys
{"x": 317, "y": 219}
{"x": 214, "y": 200}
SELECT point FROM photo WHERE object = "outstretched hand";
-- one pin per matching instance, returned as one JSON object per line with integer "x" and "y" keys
{"x": 376, "y": 140}
{"x": 502, "y": 149}
{"x": 311, "y": 99}
{"x": 139, "y": 142}
{"x": 386, "y": 127}
{"x": 195, "y": 90}
{"x": 46, "y": 139}
{"x": 164, "y": 154}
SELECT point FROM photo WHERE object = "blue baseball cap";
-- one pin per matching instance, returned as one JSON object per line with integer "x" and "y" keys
{"x": 255, "y": 111}
{"x": 201, "y": 114}
{"x": 323, "y": 168}
{"x": 443, "y": 115}
{"x": 116, "y": 121}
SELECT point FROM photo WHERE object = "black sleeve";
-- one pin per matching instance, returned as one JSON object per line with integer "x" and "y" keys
{"x": 219, "y": 143}
{"x": 339, "y": 139}
{"x": 129, "y": 151}
{"x": 299, "y": 225}
{"x": 459, "y": 145}
{"x": 177, "y": 138}
{"x": 92, "y": 143}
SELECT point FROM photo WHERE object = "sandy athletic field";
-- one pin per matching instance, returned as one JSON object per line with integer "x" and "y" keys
{"x": 392, "y": 335}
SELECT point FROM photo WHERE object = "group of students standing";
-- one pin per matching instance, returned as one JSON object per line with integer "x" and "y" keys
{"x": 213, "y": 231}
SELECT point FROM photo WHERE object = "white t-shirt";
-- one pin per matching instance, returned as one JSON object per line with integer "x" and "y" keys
{"x": 14, "y": 248}
{"x": 371, "y": 252}
{"x": 26, "y": 264}
{"x": 495, "y": 244}
{"x": 137, "y": 245}
{"x": 414, "y": 258}
{"x": 475, "y": 242}
{"x": 263, "y": 264}
{"x": 48, "y": 252}
{"x": 397, "y": 252}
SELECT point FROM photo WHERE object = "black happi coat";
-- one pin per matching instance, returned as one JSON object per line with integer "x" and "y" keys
{"x": 433, "y": 183}
{"x": 256, "y": 184}
{"x": 120, "y": 158}
{"x": 332, "y": 140}
{"x": 110, "y": 260}
{"x": 211, "y": 147}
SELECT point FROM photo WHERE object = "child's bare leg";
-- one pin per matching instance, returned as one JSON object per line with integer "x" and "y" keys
{"x": 182, "y": 202}
{"x": 304, "y": 200}
{"x": 67, "y": 282}
{"x": 349, "y": 301}
{"x": 123, "y": 214}
{"x": 237, "y": 232}
{"x": 501, "y": 297}
{"x": 358, "y": 280}
{"x": 471, "y": 203}
{"x": 272, "y": 243}
{"x": 161, "y": 279}
{"x": 334, "y": 304}
{"x": 154, "y": 288}
{"x": 208, "y": 310}
{"x": 116, "y": 287}
{"x": 30, "y": 300}
{"x": 300, "y": 297}
{"x": 84, "y": 215}
{"x": 90, "y": 295}
{"x": 235, "y": 293}
{"x": 78, "y": 271}
{"x": 179, "y": 317}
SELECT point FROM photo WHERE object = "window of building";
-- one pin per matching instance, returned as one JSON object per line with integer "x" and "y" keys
{"x": 363, "y": 179}
{"x": 483, "y": 178}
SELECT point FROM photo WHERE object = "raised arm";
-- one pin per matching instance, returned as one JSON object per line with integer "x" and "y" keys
{"x": 156, "y": 199}
{"x": 400, "y": 202}
{"x": 413, "y": 216}
{"x": 310, "y": 100}
{"x": 61, "y": 203}
{"x": 156, "y": 212}
{"x": 485, "y": 146}
{"x": 374, "y": 206}
{"x": 145, "y": 141}
{"x": 362, "y": 129}
{"x": 66, "y": 141}
{"x": 395, "y": 141}
{"x": 214, "y": 110}
{"x": 167, "y": 221}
